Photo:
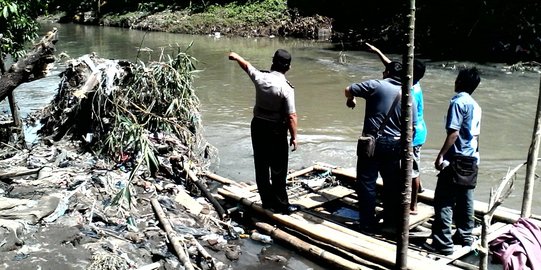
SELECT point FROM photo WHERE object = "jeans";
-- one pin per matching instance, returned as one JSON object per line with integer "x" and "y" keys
{"x": 450, "y": 198}
{"x": 386, "y": 161}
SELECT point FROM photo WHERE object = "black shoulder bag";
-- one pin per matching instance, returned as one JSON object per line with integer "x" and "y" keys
{"x": 464, "y": 171}
{"x": 366, "y": 144}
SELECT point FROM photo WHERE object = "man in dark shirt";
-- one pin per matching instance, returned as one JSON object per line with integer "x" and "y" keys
{"x": 380, "y": 95}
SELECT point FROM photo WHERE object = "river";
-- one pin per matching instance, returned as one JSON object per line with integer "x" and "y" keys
{"x": 327, "y": 129}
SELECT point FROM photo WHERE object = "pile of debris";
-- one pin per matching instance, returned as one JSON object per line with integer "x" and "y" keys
{"x": 113, "y": 183}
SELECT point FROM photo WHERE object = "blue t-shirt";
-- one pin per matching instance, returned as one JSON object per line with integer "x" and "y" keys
{"x": 419, "y": 137}
{"x": 464, "y": 115}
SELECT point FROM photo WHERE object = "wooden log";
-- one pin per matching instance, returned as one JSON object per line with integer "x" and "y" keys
{"x": 314, "y": 251}
{"x": 174, "y": 239}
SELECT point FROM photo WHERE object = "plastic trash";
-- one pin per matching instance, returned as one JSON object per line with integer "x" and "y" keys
{"x": 261, "y": 237}
{"x": 239, "y": 230}
{"x": 444, "y": 164}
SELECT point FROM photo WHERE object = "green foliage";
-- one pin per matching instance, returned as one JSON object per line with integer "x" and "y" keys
{"x": 251, "y": 12}
{"x": 18, "y": 23}
{"x": 160, "y": 98}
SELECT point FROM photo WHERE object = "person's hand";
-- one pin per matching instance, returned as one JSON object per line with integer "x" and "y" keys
{"x": 438, "y": 162}
{"x": 350, "y": 102}
{"x": 293, "y": 142}
{"x": 233, "y": 56}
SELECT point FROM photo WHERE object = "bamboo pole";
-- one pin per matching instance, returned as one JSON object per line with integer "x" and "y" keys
{"x": 220, "y": 179}
{"x": 407, "y": 150}
{"x": 174, "y": 239}
{"x": 208, "y": 258}
{"x": 533, "y": 154}
{"x": 315, "y": 251}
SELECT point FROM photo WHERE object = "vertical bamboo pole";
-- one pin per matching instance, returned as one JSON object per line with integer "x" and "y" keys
{"x": 406, "y": 138}
{"x": 533, "y": 153}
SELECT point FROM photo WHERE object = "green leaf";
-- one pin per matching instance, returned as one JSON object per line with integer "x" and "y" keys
{"x": 118, "y": 197}
{"x": 13, "y": 8}
{"x": 5, "y": 12}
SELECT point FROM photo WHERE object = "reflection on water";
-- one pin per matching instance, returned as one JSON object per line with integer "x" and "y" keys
{"x": 327, "y": 129}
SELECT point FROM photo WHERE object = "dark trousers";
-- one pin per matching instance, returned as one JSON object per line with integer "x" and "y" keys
{"x": 271, "y": 150}
{"x": 386, "y": 161}
{"x": 452, "y": 201}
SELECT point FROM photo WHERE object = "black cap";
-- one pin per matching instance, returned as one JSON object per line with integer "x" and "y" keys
{"x": 395, "y": 70}
{"x": 282, "y": 57}
{"x": 419, "y": 69}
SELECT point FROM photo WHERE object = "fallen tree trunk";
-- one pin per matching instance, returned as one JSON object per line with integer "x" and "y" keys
{"x": 34, "y": 66}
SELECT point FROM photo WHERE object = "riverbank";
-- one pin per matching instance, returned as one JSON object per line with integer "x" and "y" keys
{"x": 254, "y": 20}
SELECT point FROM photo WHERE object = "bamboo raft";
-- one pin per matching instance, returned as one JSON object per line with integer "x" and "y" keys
{"x": 327, "y": 202}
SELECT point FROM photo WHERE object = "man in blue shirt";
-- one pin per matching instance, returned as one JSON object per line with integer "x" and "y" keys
{"x": 380, "y": 95}
{"x": 452, "y": 198}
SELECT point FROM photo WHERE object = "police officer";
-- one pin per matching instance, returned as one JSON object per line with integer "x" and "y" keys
{"x": 274, "y": 114}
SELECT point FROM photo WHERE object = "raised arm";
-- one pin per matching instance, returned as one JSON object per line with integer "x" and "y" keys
{"x": 242, "y": 63}
{"x": 381, "y": 56}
